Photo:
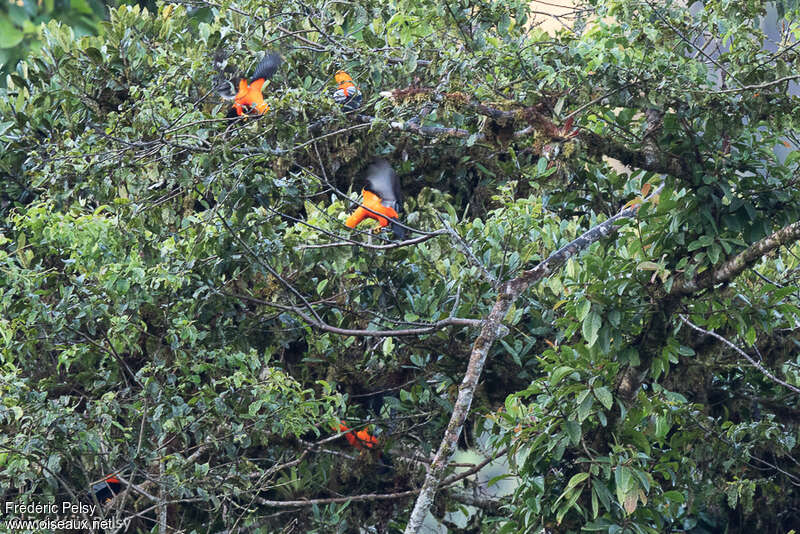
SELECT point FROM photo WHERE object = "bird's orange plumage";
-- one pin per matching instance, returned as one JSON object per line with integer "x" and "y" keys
{"x": 359, "y": 439}
{"x": 373, "y": 202}
{"x": 250, "y": 95}
{"x": 345, "y": 82}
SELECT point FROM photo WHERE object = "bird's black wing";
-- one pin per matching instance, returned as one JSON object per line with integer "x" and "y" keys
{"x": 267, "y": 67}
{"x": 383, "y": 181}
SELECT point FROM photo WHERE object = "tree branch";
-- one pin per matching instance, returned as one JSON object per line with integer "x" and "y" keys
{"x": 743, "y": 353}
{"x": 492, "y": 329}
{"x": 438, "y": 325}
{"x": 388, "y": 246}
{"x": 449, "y": 481}
{"x": 736, "y": 265}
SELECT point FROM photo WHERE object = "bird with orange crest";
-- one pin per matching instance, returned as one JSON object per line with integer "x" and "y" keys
{"x": 347, "y": 94}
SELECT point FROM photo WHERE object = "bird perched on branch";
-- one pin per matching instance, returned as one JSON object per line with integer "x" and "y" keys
{"x": 247, "y": 96}
{"x": 347, "y": 94}
{"x": 368, "y": 445}
{"x": 381, "y": 195}
{"x": 360, "y": 440}
{"x": 107, "y": 489}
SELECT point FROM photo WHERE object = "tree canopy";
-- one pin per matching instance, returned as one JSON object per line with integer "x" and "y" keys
{"x": 598, "y": 286}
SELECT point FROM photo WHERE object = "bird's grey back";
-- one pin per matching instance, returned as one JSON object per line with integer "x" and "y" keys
{"x": 383, "y": 181}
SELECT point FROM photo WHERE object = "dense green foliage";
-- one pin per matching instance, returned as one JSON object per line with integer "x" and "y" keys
{"x": 20, "y": 21}
{"x": 173, "y": 284}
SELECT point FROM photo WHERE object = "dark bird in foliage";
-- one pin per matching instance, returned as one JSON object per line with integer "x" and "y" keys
{"x": 247, "y": 95}
{"x": 107, "y": 489}
{"x": 382, "y": 195}
{"x": 347, "y": 94}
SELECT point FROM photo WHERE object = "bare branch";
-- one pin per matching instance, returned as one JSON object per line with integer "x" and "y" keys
{"x": 753, "y": 362}
{"x": 398, "y": 244}
{"x": 485, "y": 503}
{"x": 438, "y": 325}
{"x": 758, "y": 86}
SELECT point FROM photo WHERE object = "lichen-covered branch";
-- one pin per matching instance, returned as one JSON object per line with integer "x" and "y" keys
{"x": 736, "y": 265}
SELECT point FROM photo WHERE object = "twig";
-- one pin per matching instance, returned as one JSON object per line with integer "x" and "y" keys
{"x": 398, "y": 244}
{"x": 740, "y": 351}
{"x": 271, "y": 269}
{"x": 759, "y": 86}
{"x": 438, "y": 325}
{"x": 468, "y": 252}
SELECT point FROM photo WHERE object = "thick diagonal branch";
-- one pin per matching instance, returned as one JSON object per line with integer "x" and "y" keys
{"x": 736, "y": 265}
{"x": 490, "y": 331}
{"x": 649, "y": 341}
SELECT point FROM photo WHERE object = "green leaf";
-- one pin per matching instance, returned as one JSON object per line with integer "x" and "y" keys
{"x": 604, "y": 396}
{"x": 623, "y": 479}
{"x": 701, "y": 242}
{"x": 410, "y": 60}
{"x": 10, "y": 36}
{"x": 201, "y": 470}
{"x": 573, "y": 430}
{"x": 602, "y": 492}
{"x": 255, "y": 406}
{"x": 577, "y": 479}
{"x": 560, "y": 373}
{"x": 585, "y": 408}
{"x": 662, "y": 426}
{"x": 567, "y": 506}
{"x": 582, "y": 309}
{"x": 591, "y": 327}
{"x": 674, "y": 496}
{"x": 322, "y": 285}
{"x": 541, "y": 165}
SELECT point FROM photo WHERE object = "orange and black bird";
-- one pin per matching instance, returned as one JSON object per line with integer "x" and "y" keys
{"x": 359, "y": 440}
{"x": 347, "y": 94}
{"x": 382, "y": 195}
{"x": 247, "y": 95}
{"x": 106, "y": 490}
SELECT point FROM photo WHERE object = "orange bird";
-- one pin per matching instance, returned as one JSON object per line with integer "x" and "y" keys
{"x": 360, "y": 440}
{"x": 249, "y": 97}
{"x": 382, "y": 195}
{"x": 347, "y": 94}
